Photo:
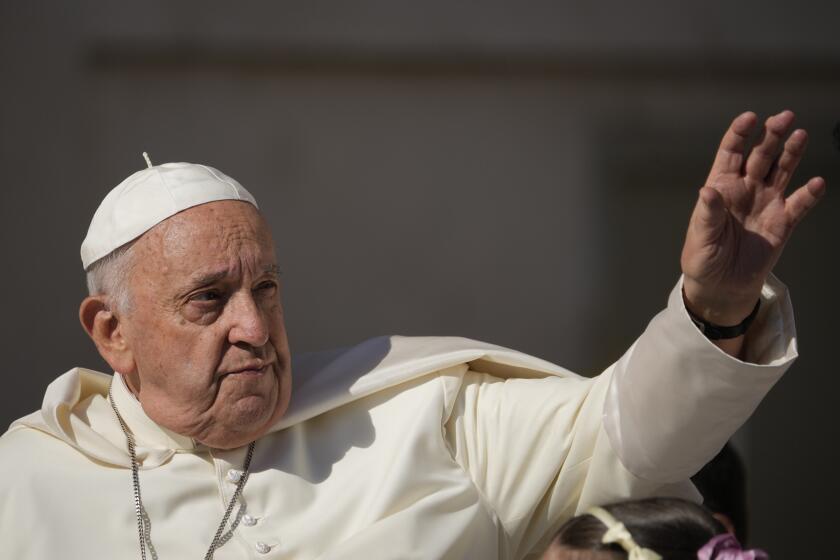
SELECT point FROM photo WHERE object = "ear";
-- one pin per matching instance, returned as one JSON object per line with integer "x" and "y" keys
{"x": 106, "y": 330}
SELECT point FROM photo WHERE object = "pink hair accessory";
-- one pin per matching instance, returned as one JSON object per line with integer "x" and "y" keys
{"x": 727, "y": 547}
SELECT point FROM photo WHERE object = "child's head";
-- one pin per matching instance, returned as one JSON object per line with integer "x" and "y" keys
{"x": 667, "y": 528}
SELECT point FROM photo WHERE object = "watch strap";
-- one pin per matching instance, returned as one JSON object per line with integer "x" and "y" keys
{"x": 718, "y": 332}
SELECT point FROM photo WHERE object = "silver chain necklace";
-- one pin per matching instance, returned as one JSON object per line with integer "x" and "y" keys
{"x": 142, "y": 518}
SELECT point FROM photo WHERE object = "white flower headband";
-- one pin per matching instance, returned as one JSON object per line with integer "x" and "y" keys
{"x": 617, "y": 533}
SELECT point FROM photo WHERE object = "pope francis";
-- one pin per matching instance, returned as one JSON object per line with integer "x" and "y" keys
{"x": 209, "y": 440}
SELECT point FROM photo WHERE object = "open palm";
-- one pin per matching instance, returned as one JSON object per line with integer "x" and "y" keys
{"x": 742, "y": 219}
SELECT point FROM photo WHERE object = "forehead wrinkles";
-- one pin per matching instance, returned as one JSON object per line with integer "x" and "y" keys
{"x": 209, "y": 228}
{"x": 207, "y": 235}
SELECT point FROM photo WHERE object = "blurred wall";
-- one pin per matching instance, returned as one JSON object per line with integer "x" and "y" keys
{"x": 518, "y": 173}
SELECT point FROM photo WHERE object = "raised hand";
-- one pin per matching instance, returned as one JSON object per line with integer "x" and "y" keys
{"x": 742, "y": 219}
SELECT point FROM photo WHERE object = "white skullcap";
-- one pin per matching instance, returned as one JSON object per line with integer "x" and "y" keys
{"x": 150, "y": 196}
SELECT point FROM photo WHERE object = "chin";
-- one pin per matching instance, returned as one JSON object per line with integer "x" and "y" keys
{"x": 248, "y": 417}
{"x": 251, "y": 420}
{"x": 251, "y": 413}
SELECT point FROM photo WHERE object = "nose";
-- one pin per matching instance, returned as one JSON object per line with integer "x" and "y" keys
{"x": 248, "y": 324}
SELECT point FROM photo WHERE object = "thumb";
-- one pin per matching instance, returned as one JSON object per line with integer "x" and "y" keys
{"x": 710, "y": 212}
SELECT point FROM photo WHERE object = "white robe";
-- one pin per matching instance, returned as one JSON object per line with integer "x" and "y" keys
{"x": 397, "y": 448}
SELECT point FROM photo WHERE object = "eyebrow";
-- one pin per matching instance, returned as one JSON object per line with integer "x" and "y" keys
{"x": 212, "y": 277}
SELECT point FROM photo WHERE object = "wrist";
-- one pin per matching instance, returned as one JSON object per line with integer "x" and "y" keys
{"x": 723, "y": 333}
{"x": 718, "y": 308}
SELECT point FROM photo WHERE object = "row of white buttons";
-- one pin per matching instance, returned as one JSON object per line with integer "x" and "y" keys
{"x": 234, "y": 476}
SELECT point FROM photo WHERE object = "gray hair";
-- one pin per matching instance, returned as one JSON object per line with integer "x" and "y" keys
{"x": 108, "y": 276}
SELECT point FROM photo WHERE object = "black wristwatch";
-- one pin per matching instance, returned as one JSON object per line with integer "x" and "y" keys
{"x": 717, "y": 332}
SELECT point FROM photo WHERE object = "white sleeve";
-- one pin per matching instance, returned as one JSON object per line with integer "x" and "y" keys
{"x": 676, "y": 398}
{"x": 537, "y": 453}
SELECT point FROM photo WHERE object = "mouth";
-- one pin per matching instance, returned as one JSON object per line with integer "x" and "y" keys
{"x": 255, "y": 368}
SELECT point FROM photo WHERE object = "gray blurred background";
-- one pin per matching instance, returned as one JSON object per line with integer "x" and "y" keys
{"x": 520, "y": 173}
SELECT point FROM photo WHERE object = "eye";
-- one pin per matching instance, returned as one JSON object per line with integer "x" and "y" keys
{"x": 207, "y": 296}
{"x": 267, "y": 286}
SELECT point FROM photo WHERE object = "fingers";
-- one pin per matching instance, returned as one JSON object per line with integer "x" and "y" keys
{"x": 765, "y": 152}
{"x": 803, "y": 199}
{"x": 787, "y": 162}
{"x": 710, "y": 212}
{"x": 733, "y": 146}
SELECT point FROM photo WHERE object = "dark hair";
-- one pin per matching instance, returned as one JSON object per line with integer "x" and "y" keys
{"x": 674, "y": 528}
{"x": 723, "y": 485}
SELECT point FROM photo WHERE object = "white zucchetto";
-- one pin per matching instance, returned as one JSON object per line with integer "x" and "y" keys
{"x": 150, "y": 196}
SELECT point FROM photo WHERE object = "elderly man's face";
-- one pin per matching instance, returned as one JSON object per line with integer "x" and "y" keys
{"x": 205, "y": 325}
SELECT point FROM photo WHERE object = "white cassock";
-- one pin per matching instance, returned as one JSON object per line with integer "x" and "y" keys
{"x": 398, "y": 448}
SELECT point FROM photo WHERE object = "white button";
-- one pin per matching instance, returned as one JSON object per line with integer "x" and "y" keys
{"x": 248, "y": 520}
{"x": 234, "y": 475}
{"x": 262, "y": 548}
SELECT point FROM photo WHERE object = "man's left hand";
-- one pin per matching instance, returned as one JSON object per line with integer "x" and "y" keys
{"x": 742, "y": 219}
